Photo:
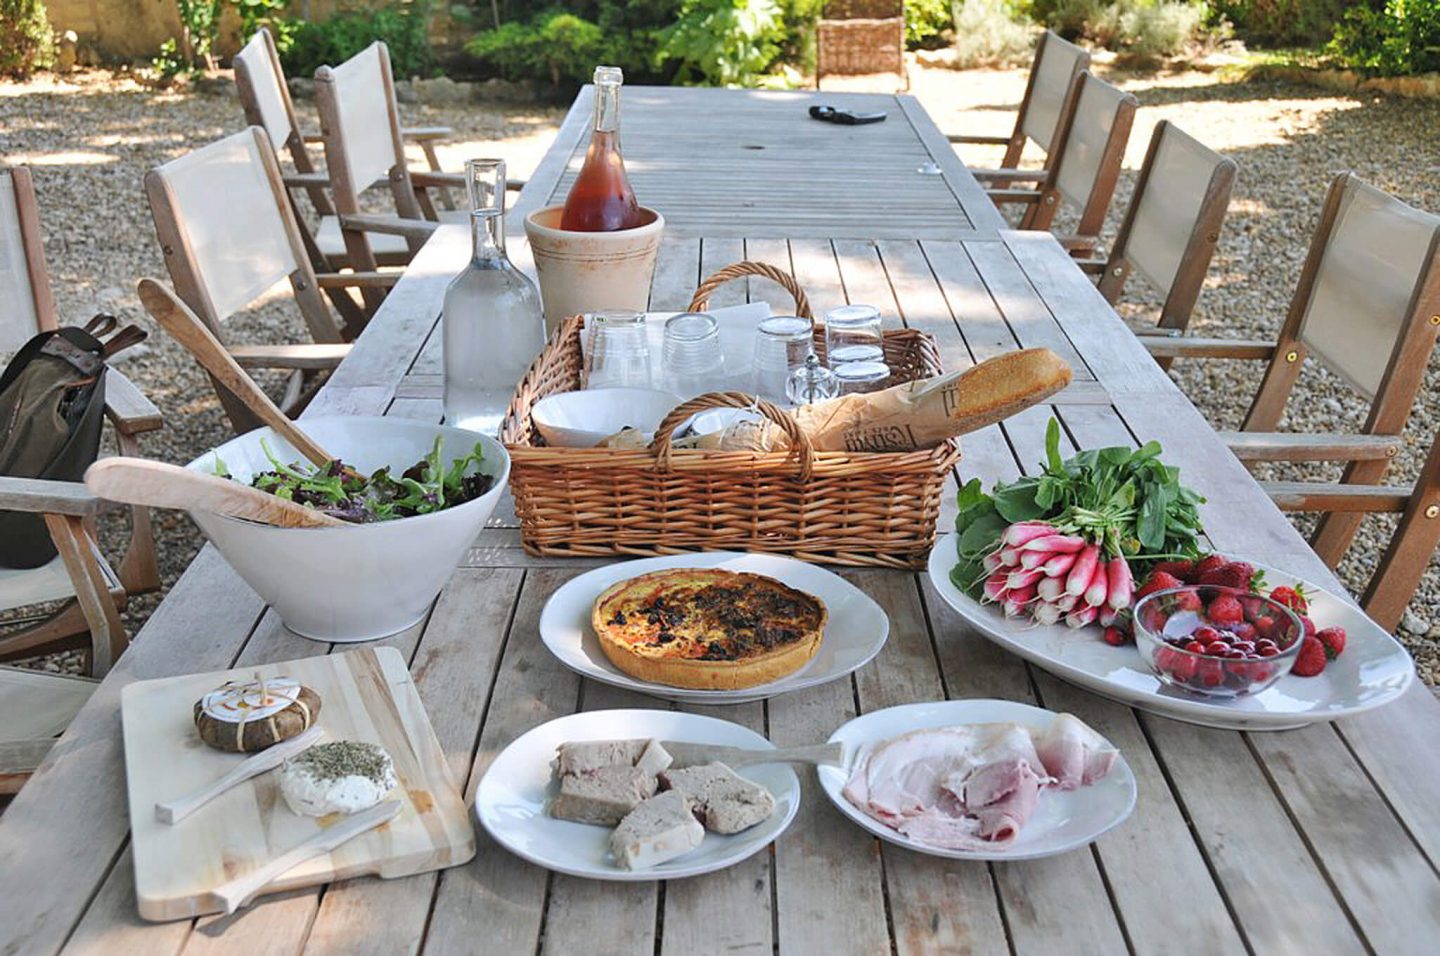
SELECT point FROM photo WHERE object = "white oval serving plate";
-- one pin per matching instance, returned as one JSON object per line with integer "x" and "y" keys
{"x": 511, "y": 799}
{"x": 1062, "y": 821}
{"x": 855, "y": 631}
{"x": 1374, "y": 670}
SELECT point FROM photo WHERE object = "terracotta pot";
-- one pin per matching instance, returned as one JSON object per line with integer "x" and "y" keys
{"x": 592, "y": 271}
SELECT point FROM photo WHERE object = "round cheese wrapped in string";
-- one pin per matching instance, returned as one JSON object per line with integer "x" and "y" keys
{"x": 246, "y": 716}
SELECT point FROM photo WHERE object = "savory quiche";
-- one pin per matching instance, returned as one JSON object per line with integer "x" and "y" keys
{"x": 707, "y": 628}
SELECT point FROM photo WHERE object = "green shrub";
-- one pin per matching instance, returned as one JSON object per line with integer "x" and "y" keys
{"x": 925, "y": 21}
{"x": 724, "y": 42}
{"x": 560, "y": 46}
{"x": 26, "y": 41}
{"x": 991, "y": 33}
{"x": 403, "y": 27}
{"x": 1282, "y": 23}
{"x": 1399, "y": 38}
{"x": 1143, "y": 27}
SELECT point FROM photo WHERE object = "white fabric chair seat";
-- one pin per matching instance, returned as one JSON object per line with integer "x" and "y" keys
{"x": 35, "y": 704}
{"x": 49, "y": 582}
{"x": 384, "y": 244}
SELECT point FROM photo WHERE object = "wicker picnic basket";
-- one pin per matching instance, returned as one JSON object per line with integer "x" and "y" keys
{"x": 860, "y": 36}
{"x": 862, "y": 509}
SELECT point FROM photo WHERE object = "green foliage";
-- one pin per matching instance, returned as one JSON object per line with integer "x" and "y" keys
{"x": 560, "y": 46}
{"x": 1282, "y": 23}
{"x": 1396, "y": 38}
{"x": 723, "y": 42}
{"x": 1142, "y": 27}
{"x": 255, "y": 14}
{"x": 403, "y": 27}
{"x": 26, "y": 41}
{"x": 199, "y": 25}
{"x": 991, "y": 33}
{"x": 925, "y": 21}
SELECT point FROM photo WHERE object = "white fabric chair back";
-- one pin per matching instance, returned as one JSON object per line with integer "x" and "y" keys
{"x": 1056, "y": 63}
{"x": 18, "y": 318}
{"x": 364, "y": 115}
{"x": 1378, "y": 252}
{"x": 1096, "y": 109}
{"x": 1169, "y": 206}
{"x": 227, "y": 209}
{"x": 266, "y": 84}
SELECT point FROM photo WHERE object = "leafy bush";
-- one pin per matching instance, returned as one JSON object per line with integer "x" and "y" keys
{"x": 26, "y": 41}
{"x": 403, "y": 28}
{"x": 560, "y": 46}
{"x": 990, "y": 33}
{"x": 1282, "y": 22}
{"x": 925, "y": 20}
{"x": 1398, "y": 38}
{"x": 1143, "y": 27}
{"x": 724, "y": 42}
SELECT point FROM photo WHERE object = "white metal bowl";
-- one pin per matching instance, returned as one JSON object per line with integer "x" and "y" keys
{"x": 584, "y": 419}
{"x": 361, "y": 582}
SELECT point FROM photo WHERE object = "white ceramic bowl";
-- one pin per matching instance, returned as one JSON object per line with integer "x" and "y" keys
{"x": 361, "y": 582}
{"x": 584, "y": 419}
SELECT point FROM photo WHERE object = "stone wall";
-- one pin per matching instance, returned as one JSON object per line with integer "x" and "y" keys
{"x": 117, "y": 29}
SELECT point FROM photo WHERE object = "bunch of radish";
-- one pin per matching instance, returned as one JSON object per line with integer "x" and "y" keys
{"x": 1040, "y": 571}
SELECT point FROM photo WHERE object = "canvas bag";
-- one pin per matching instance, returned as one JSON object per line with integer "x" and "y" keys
{"x": 52, "y": 407}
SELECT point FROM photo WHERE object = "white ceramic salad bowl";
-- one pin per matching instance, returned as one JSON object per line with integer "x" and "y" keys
{"x": 365, "y": 581}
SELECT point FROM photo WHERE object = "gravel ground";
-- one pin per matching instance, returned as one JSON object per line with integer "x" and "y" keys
{"x": 92, "y": 136}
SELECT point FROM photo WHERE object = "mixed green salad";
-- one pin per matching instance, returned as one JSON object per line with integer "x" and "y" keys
{"x": 343, "y": 493}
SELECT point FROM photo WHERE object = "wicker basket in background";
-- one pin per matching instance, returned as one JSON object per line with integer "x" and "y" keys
{"x": 862, "y": 509}
{"x": 855, "y": 37}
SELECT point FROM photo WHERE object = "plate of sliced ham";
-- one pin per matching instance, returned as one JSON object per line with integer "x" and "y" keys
{"x": 980, "y": 779}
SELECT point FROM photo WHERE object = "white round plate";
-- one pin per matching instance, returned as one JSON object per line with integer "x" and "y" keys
{"x": 855, "y": 631}
{"x": 510, "y": 802}
{"x": 1374, "y": 670}
{"x": 1062, "y": 821}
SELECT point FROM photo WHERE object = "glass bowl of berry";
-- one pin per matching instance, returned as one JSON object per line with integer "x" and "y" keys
{"x": 1216, "y": 641}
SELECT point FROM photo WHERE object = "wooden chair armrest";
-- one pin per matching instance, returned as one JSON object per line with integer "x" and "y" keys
{"x": 1074, "y": 244}
{"x": 1092, "y": 266}
{"x": 429, "y": 178}
{"x": 312, "y": 136}
{"x": 984, "y": 140}
{"x": 1291, "y": 446}
{"x": 313, "y": 355}
{"x": 43, "y": 496}
{"x": 364, "y": 280}
{"x": 393, "y": 225}
{"x": 300, "y": 180}
{"x": 1164, "y": 346}
{"x": 127, "y": 407}
{"x": 1014, "y": 195}
{"x": 23, "y": 757}
{"x": 1334, "y": 496}
{"x": 1023, "y": 175}
{"x": 420, "y": 133}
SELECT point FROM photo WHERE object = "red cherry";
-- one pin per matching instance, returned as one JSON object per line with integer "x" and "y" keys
{"x": 1216, "y": 648}
{"x": 1206, "y": 634}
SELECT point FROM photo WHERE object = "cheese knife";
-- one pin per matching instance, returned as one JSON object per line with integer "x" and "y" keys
{"x": 688, "y": 754}
{"x": 173, "y": 811}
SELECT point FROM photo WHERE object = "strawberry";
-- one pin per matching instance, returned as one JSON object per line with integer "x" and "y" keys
{"x": 1158, "y": 581}
{"x": 1308, "y": 624}
{"x": 1243, "y": 631}
{"x": 1205, "y": 565}
{"x": 1334, "y": 640}
{"x": 1116, "y": 637}
{"x": 1188, "y": 601}
{"x": 1311, "y": 660}
{"x": 1266, "y": 627}
{"x": 1293, "y": 598}
{"x": 1235, "y": 574}
{"x": 1180, "y": 570}
{"x": 1225, "y": 610}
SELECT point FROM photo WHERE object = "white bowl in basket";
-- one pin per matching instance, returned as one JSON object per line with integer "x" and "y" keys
{"x": 585, "y": 418}
{"x": 360, "y": 582}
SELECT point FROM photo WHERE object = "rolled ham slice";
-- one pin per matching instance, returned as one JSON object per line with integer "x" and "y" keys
{"x": 1073, "y": 754}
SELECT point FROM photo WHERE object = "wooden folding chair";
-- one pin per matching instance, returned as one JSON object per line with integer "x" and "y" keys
{"x": 1082, "y": 169}
{"x": 1406, "y": 558}
{"x": 360, "y": 126}
{"x": 1171, "y": 226}
{"x": 1057, "y": 62}
{"x": 265, "y": 97}
{"x": 229, "y": 235}
{"x": 93, "y": 593}
{"x": 35, "y": 708}
{"x": 1368, "y": 307}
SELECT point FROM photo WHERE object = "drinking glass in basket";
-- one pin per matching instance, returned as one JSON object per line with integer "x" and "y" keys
{"x": 853, "y": 334}
{"x": 619, "y": 351}
{"x": 781, "y": 344}
{"x": 691, "y": 353}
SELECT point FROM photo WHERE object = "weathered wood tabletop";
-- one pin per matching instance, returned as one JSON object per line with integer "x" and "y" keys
{"x": 1320, "y": 840}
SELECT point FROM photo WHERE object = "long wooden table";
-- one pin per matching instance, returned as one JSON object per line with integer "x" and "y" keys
{"x": 1322, "y": 840}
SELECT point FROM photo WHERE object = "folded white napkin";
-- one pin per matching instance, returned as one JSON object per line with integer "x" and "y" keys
{"x": 737, "y": 344}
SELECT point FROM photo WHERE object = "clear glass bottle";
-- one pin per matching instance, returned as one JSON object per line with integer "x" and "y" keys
{"x": 493, "y": 326}
{"x": 601, "y": 199}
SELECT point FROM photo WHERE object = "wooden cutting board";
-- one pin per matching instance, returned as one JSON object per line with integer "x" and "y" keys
{"x": 364, "y": 695}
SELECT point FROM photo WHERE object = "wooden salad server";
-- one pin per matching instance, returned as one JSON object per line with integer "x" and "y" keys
{"x": 689, "y": 754}
{"x": 175, "y": 317}
{"x": 238, "y": 892}
{"x": 173, "y": 811}
{"x": 140, "y": 481}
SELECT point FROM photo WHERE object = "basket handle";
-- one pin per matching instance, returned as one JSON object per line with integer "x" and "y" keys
{"x": 800, "y": 445}
{"x": 701, "y": 298}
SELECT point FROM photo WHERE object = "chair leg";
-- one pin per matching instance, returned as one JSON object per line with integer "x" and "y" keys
{"x": 1336, "y": 530}
{"x": 1405, "y": 560}
{"x": 139, "y": 572}
{"x": 107, "y": 633}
